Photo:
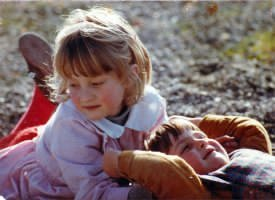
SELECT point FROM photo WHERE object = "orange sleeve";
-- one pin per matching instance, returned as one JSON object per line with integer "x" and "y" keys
{"x": 168, "y": 177}
{"x": 249, "y": 132}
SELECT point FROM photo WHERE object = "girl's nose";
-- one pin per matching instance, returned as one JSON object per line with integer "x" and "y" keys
{"x": 86, "y": 94}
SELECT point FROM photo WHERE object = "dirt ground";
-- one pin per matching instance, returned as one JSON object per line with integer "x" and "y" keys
{"x": 208, "y": 57}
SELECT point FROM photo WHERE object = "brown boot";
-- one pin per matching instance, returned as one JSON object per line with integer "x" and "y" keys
{"x": 38, "y": 55}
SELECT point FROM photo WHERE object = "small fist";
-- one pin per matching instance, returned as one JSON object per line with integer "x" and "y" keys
{"x": 228, "y": 142}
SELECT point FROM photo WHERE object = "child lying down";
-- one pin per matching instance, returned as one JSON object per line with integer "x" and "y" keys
{"x": 190, "y": 155}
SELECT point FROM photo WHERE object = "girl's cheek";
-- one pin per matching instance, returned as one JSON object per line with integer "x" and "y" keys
{"x": 73, "y": 96}
{"x": 72, "y": 93}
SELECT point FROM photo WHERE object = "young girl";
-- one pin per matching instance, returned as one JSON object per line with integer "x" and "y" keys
{"x": 101, "y": 78}
{"x": 245, "y": 173}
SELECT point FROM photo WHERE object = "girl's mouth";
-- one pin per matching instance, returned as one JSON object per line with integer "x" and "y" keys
{"x": 91, "y": 107}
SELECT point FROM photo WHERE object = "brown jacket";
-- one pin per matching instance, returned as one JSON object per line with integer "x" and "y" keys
{"x": 171, "y": 178}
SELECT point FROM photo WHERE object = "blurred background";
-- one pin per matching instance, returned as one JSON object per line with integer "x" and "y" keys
{"x": 208, "y": 57}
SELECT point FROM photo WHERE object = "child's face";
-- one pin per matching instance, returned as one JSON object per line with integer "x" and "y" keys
{"x": 202, "y": 153}
{"x": 97, "y": 97}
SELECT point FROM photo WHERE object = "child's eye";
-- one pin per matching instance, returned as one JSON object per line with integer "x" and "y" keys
{"x": 97, "y": 83}
{"x": 73, "y": 85}
{"x": 185, "y": 148}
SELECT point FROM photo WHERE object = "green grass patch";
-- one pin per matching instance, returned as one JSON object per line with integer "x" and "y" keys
{"x": 260, "y": 46}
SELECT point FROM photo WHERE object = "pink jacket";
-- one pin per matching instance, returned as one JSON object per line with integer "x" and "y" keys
{"x": 66, "y": 160}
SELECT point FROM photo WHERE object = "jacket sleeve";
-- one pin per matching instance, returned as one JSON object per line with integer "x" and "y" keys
{"x": 249, "y": 132}
{"x": 167, "y": 176}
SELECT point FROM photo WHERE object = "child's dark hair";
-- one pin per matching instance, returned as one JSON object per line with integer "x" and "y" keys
{"x": 160, "y": 139}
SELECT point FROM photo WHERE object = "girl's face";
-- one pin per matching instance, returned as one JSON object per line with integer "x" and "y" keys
{"x": 202, "y": 153}
{"x": 97, "y": 97}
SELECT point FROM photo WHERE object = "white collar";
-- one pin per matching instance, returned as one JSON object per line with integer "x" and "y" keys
{"x": 142, "y": 117}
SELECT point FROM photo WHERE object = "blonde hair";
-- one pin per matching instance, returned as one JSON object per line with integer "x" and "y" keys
{"x": 160, "y": 139}
{"x": 95, "y": 42}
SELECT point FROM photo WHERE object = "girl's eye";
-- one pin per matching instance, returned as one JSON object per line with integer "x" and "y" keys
{"x": 72, "y": 85}
{"x": 97, "y": 83}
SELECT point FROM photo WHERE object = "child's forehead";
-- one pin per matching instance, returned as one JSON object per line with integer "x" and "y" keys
{"x": 191, "y": 133}
{"x": 84, "y": 66}
{"x": 182, "y": 123}
{"x": 189, "y": 136}
{"x": 182, "y": 138}
{"x": 186, "y": 133}
{"x": 102, "y": 76}
{"x": 186, "y": 128}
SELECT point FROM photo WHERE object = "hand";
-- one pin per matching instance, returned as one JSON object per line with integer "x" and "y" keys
{"x": 228, "y": 142}
{"x": 110, "y": 163}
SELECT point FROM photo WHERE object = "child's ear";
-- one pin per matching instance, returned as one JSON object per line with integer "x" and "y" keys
{"x": 134, "y": 69}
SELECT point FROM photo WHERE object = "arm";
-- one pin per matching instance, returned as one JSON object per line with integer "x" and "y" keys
{"x": 248, "y": 132}
{"x": 168, "y": 177}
